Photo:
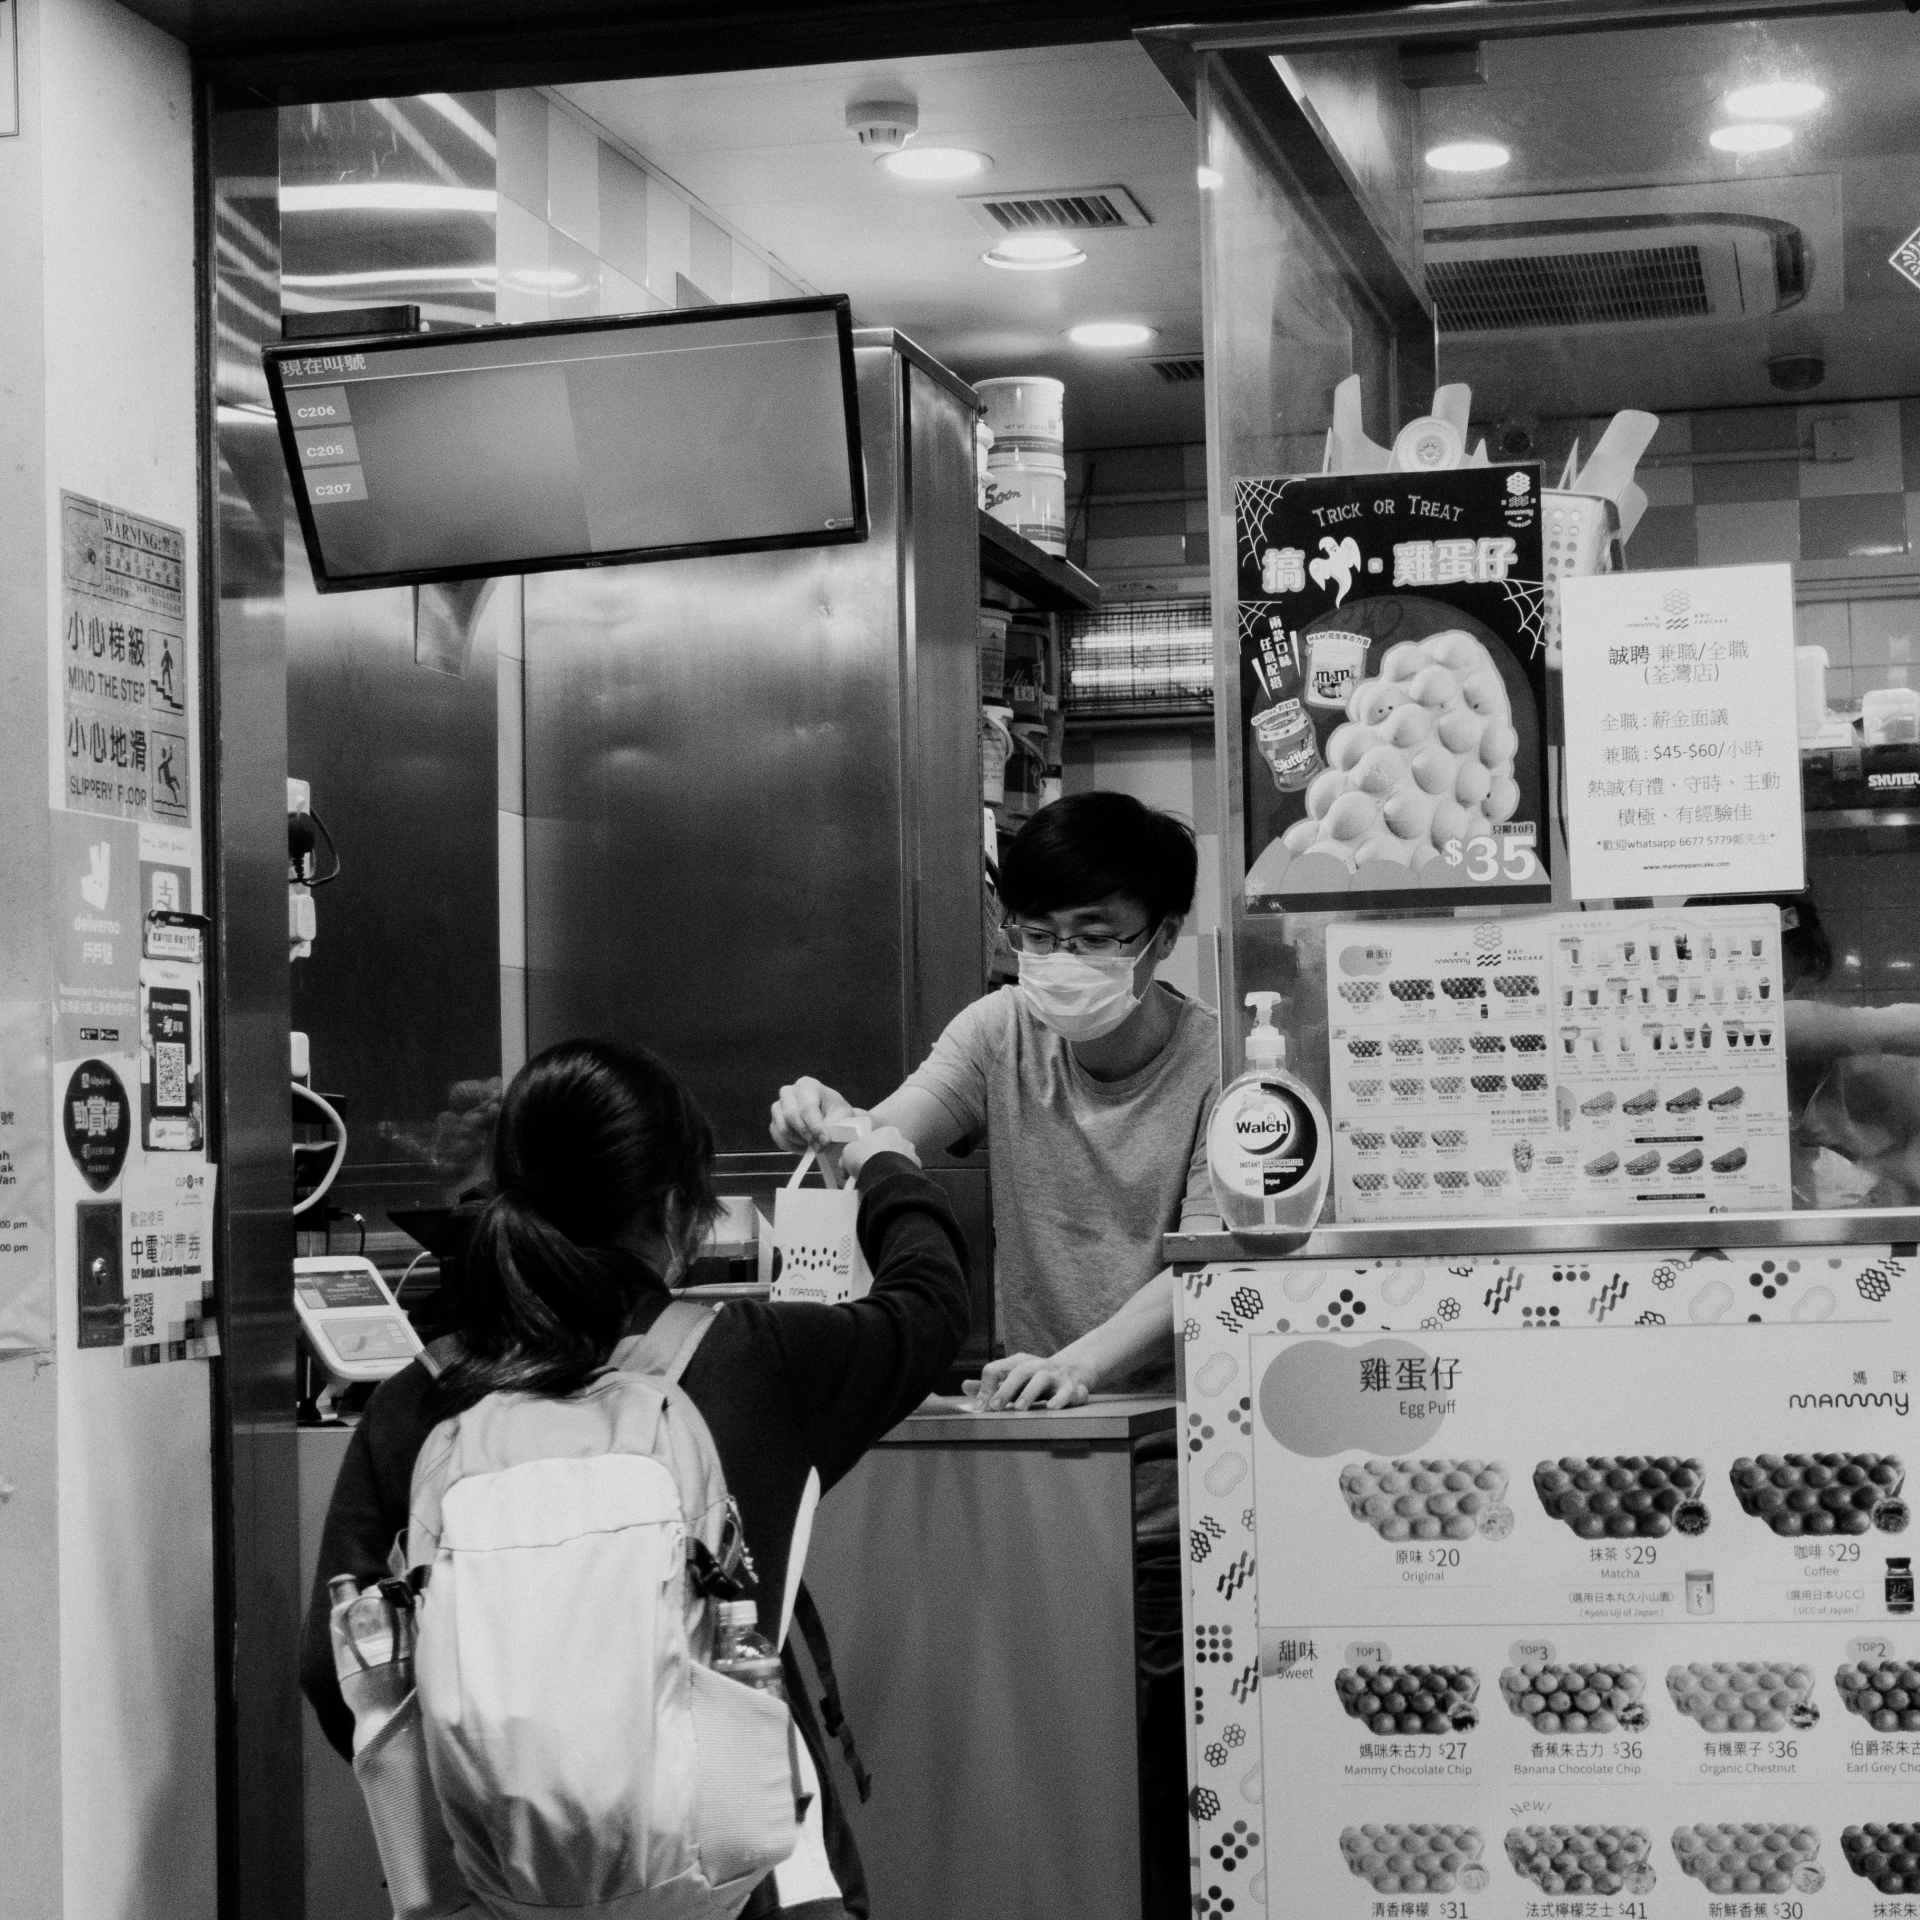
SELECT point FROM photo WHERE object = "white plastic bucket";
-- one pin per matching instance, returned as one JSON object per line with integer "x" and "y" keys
{"x": 1028, "y": 418}
{"x": 1033, "y": 502}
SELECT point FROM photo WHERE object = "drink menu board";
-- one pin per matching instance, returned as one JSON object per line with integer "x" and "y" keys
{"x": 1491, "y": 1625}
{"x": 1572, "y": 1064}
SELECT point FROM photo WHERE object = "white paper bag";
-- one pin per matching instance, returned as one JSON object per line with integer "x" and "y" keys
{"x": 816, "y": 1253}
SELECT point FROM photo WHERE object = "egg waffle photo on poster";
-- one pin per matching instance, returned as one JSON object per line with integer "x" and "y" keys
{"x": 1393, "y": 687}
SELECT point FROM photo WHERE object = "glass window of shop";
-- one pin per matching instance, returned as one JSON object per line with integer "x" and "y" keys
{"x": 1564, "y": 428}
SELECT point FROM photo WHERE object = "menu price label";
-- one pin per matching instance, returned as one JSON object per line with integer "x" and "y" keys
{"x": 1684, "y": 776}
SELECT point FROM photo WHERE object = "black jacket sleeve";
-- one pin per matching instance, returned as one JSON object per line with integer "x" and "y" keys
{"x": 856, "y": 1370}
{"x": 367, "y": 1514}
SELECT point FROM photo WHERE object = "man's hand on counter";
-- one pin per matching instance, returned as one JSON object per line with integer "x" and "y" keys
{"x": 1024, "y": 1380}
{"x": 1141, "y": 1330}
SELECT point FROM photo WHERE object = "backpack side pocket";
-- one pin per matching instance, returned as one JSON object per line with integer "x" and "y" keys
{"x": 415, "y": 1852}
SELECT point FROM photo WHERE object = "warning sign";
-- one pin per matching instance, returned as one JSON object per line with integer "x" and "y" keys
{"x": 124, "y": 666}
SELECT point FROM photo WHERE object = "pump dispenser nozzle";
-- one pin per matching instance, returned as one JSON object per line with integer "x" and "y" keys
{"x": 1266, "y": 1044}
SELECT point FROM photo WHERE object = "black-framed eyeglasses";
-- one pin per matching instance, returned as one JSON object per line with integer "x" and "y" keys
{"x": 1094, "y": 946}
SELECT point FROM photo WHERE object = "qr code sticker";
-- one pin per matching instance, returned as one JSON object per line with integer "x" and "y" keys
{"x": 170, "y": 1074}
{"x": 140, "y": 1316}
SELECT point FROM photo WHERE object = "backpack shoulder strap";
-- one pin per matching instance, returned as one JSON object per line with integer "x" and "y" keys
{"x": 440, "y": 1355}
{"x": 666, "y": 1348}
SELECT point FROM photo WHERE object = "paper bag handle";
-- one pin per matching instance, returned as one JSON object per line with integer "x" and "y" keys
{"x": 859, "y": 1121}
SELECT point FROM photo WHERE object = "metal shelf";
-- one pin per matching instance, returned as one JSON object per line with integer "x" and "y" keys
{"x": 1439, "y": 1240}
{"x": 1053, "y": 585}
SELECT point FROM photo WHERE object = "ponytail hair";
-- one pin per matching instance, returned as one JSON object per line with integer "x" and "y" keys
{"x": 593, "y": 1142}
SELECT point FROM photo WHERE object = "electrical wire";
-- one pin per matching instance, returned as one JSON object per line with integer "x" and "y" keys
{"x": 327, "y": 1107}
{"x": 339, "y": 865}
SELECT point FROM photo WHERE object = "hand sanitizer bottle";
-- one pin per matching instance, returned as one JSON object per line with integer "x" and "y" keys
{"x": 1268, "y": 1146}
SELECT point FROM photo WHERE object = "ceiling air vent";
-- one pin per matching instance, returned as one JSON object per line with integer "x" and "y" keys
{"x": 1523, "y": 291}
{"x": 1176, "y": 369}
{"x": 1647, "y": 257}
{"x": 1057, "y": 210}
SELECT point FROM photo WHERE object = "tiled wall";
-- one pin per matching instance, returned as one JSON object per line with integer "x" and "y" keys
{"x": 1146, "y": 516}
{"x": 584, "y": 227}
{"x": 1869, "y": 904}
{"x": 1174, "y": 771}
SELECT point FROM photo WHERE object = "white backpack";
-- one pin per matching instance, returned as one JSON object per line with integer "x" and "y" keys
{"x": 580, "y": 1755}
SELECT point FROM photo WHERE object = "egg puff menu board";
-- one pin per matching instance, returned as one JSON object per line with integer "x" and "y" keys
{"x": 1574, "y": 1064}
{"x": 1393, "y": 688}
{"x": 1616, "y": 1626}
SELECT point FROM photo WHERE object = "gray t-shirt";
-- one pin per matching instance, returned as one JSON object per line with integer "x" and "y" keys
{"x": 1087, "y": 1174}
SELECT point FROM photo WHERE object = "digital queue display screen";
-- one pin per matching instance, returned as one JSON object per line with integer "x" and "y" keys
{"x": 447, "y": 456}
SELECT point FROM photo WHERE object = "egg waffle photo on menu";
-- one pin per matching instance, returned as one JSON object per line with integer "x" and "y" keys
{"x": 1393, "y": 689}
{"x": 1577, "y": 1860}
{"x": 1421, "y": 1858}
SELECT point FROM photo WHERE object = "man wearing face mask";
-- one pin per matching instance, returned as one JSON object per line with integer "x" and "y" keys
{"x": 1092, "y": 1082}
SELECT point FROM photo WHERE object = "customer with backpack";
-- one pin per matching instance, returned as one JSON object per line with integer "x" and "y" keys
{"x": 577, "y": 1378}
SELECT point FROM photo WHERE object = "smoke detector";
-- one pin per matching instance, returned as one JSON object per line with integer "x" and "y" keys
{"x": 883, "y": 125}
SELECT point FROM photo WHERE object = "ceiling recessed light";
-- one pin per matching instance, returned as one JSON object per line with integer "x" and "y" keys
{"x": 1468, "y": 156}
{"x": 935, "y": 163}
{"x": 552, "y": 279}
{"x": 1751, "y": 136}
{"x": 1776, "y": 100}
{"x": 1211, "y": 177}
{"x": 1110, "y": 333}
{"x": 1034, "y": 253}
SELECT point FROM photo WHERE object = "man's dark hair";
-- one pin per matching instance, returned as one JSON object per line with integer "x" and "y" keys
{"x": 1090, "y": 845}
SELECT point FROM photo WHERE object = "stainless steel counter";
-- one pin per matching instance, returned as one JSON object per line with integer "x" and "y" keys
{"x": 1439, "y": 1239}
{"x": 1108, "y": 1419}
{"x": 975, "y": 1573}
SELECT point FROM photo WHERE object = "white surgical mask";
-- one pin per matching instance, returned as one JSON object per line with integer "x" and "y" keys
{"x": 1080, "y": 996}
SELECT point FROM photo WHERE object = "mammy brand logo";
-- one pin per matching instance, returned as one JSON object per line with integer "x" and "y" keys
{"x": 1894, "y": 1402}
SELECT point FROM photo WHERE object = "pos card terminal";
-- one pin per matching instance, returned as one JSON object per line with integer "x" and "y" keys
{"x": 352, "y": 1323}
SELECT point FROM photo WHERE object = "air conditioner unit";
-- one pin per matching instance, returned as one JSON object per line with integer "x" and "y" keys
{"x": 1646, "y": 256}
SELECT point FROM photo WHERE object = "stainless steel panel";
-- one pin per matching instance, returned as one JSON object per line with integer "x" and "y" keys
{"x": 437, "y": 256}
{"x": 401, "y": 995}
{"x": 942, "y": 652}
{"x": 1440, "y": 1240}
{"x": 980, "y": 1602}
{"x": 245, "y": 725}
{"x": 344, "y": 1881}
{"x": 726, "y": 793}
{"x": 400, "y": 998}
